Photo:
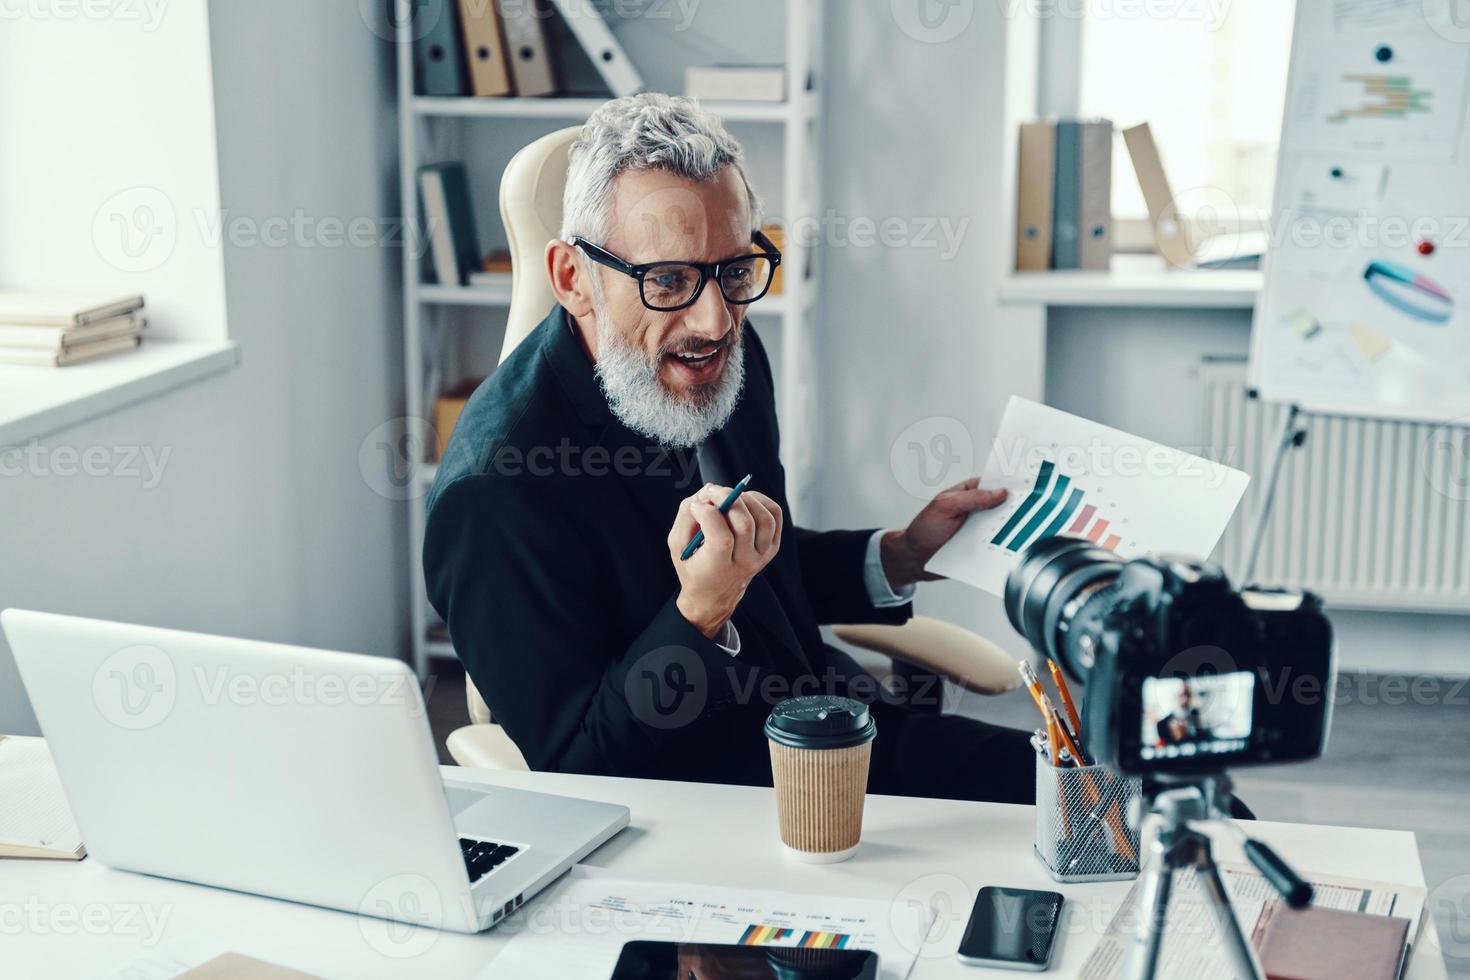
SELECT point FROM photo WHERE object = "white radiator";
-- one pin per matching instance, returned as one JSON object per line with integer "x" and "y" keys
{"x": 1369, "y": 514}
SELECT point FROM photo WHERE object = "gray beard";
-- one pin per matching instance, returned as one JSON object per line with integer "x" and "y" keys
{"x": 640, "y": 401}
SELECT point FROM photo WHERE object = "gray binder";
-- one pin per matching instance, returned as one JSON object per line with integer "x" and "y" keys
{"x": 1095, "y": 200}
{"x": 526, "y": 47}
{"x": 1066, "y": 213}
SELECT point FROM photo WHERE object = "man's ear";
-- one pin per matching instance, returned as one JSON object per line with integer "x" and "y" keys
{"x": 568, "y": 278}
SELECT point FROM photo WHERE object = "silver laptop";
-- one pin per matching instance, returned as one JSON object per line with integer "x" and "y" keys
{"x": 283, "y": 771}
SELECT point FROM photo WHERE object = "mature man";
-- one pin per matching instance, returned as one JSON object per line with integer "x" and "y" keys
{"x": 578, "y": 474}
{"x": 1184, "y": 723}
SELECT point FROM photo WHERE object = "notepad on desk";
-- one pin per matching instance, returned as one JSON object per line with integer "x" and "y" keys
{"x": 1313, "y": 943}
{"x": 35, "y": 820}
{"x": 1285, "y": 942}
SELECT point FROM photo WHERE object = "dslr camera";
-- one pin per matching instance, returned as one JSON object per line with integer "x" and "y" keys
{"x": 1185, "y": 675}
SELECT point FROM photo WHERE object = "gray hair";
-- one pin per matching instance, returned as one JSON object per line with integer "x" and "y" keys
{"x": 651, "y": 131}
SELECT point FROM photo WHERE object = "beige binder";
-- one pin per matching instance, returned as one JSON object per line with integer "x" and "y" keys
{"x": 531, "y": 70}
{"x": 1170, "y": 236}
{"x": 484, "y": 49}
{"x": 1035, "y": 165}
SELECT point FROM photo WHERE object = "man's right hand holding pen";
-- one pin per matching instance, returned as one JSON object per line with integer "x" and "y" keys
{"x": 737, "y": 545}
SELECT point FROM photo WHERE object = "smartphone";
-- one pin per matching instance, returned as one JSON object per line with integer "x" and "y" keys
{"x": 651, "y": 960}
{"x": 1011, "y": 928}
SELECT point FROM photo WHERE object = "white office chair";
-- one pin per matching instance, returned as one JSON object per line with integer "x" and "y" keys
{"x": 530, "y": 205}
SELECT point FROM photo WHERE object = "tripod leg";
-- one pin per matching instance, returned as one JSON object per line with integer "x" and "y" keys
{"x": 1247, "y": 966}
{"x": 1153, "y": 910}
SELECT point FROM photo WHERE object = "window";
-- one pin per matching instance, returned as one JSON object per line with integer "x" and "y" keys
{"x": 1209, "y": 78}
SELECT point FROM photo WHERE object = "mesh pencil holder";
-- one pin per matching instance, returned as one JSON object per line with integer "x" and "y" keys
{"x": 1084, "y": 831}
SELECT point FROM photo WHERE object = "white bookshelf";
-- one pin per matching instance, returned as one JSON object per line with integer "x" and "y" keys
{"x": 577, "y": 109}
{"x": 431, "y": 128}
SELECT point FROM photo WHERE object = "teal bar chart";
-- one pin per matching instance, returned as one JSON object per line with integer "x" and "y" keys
{"x": 1049, "y": 509}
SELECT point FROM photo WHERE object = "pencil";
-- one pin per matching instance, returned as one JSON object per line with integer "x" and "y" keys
{"x": 1053, "y": 730}
{"x": 1053, "y": 736}
{"x": 1066, "y": 695}
{"x": 1062, "y": 732}
{"x": 1033, "y": 684}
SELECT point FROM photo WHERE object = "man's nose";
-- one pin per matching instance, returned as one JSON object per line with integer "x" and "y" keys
{"x": 710, "y": 315}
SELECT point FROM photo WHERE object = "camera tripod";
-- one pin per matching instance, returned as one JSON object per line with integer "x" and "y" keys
{"x": 1180, "y": 845}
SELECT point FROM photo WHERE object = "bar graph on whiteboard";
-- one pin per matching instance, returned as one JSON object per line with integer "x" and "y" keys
{"x": 1055, "y": 505}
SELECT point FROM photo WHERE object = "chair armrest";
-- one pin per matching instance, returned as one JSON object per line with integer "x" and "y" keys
{"x": 950, "y": 651}
{"x": 484, "y": 747}
{"x": 478, "y": 709}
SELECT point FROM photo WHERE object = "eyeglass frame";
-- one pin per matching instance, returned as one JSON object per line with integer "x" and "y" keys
{"x": 707, "y": 270}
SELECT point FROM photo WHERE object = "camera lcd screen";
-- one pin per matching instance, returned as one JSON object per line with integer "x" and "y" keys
{"x": 1192, "y": 716}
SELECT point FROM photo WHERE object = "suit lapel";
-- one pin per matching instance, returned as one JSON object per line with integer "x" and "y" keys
{"x": 659, "y": 480}
{"x": 662, "y": 478}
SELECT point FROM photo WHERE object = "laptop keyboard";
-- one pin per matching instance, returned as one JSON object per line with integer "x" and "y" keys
{"x": 483, "y": 856}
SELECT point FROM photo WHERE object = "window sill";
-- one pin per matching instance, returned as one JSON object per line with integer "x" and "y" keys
{"x": 35, "y": 401}
{"x": 1135, "y": 281}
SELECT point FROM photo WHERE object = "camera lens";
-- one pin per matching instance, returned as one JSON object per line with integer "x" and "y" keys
{"x": 1049, "y": 586}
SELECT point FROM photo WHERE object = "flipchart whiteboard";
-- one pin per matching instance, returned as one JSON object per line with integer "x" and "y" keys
{"x": 1365, "y": 308}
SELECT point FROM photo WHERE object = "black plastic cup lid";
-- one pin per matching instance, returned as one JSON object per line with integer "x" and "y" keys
{"x": 820, "y": 721}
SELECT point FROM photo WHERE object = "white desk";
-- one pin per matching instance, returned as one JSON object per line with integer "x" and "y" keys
{"x": 59, "y": 919}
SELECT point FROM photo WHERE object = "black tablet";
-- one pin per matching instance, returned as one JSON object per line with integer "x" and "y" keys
{"x": 643, "y": 960}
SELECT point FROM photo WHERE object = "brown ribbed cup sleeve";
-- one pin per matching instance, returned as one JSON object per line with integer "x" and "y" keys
{"x": 819, "y": 795}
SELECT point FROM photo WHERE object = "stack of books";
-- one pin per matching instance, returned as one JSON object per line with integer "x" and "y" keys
{"x": 57, "y": 329}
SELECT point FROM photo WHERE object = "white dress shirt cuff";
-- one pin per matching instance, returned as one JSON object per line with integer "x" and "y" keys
{"x": 729, "y": 639}
{"x": 882, "y": 594}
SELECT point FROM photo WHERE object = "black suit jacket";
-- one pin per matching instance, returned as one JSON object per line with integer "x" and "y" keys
{"x": 546, "y": 554}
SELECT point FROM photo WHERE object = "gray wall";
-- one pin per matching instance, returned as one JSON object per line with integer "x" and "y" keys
{"x": 914, "y": 132}
{"x": 262, "y": 524}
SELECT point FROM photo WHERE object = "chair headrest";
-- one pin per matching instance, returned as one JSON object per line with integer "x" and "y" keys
{"x": 530, "y": 206}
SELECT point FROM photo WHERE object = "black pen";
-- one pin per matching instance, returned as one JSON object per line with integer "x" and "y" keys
{"x": 725, "y": 505}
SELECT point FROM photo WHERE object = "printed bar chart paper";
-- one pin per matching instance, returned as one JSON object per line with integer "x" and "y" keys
{"x": 1066, "y": 475}
{"x": 578, "y": 928}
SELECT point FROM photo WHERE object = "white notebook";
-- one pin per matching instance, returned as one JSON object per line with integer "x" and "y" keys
{"x": 35, "y": 820}
{"x": 65, "y": 309}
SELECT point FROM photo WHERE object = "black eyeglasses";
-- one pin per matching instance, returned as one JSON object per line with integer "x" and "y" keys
{"x": 669, "y": 286}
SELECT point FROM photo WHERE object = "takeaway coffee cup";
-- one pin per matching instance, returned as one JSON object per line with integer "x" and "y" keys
{"x": 820, "y": 747}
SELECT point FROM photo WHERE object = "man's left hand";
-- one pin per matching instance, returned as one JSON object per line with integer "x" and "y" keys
{"x": 906, "y": 552}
